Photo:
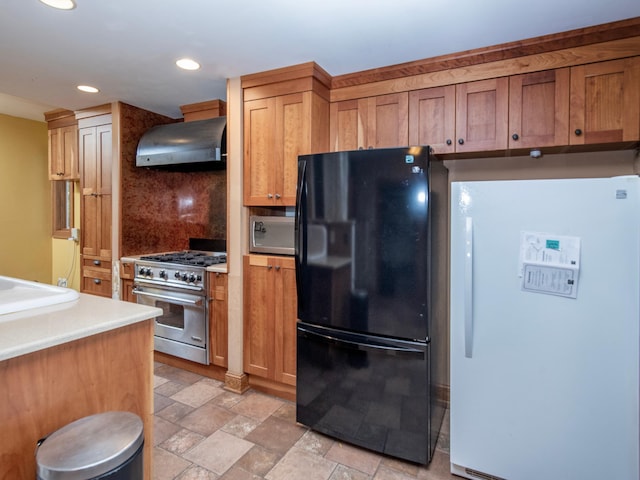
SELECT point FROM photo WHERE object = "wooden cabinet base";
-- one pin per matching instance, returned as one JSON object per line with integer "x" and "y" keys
{"x": 209, "y": 371}
{"x": 45, "y": 390}
{"x": 288, "y": 392}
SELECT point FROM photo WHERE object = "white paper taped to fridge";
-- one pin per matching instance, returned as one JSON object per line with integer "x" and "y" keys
{"x": 550, "y": 263}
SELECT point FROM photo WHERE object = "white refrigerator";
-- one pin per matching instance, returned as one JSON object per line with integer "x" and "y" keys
{"x": 545, "y": 333}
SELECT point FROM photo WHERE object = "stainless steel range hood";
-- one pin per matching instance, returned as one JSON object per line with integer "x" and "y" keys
{"x": 200, "y": 144}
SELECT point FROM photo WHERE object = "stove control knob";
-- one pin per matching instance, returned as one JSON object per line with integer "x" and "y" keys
{"x": 192, "y": 278}
{"x": 163, "y": 274}
{"x": 176, "y": 275}
{"x": 147, "y": 272}
{"x": 185, "y": 277}
{"x": 199, "y": 279}
{"x": 141, "y": 271}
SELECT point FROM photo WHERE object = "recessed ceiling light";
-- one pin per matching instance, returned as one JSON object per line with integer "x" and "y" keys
{"x": 88, "y": 89}
{"x": 188, "y": 64}
{"x": 60, "y": 4}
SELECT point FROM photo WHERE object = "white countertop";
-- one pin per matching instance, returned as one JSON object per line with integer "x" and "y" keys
{"x": 39, "y": 328}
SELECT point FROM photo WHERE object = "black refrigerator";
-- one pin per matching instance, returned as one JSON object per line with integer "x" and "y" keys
{"x": 363, "y": 272}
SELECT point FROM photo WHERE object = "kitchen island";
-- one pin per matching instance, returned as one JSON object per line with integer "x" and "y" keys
{"x": 64, "y": 362}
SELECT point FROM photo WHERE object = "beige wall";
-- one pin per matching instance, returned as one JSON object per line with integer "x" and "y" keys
{"x": 25, "y": 200}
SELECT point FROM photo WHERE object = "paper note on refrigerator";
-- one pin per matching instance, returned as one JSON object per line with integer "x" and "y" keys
{"x": 550, "y": 263}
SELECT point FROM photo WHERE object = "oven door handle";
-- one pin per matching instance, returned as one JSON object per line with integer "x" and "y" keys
{"x": 168, "y": 298}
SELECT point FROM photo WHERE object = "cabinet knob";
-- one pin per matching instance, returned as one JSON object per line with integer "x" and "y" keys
{"x": 461, "y": 141}
{"x": 578, "y": 132}
{"x": 96, "y": 262}
{"x": 269, "y": 267}
{"x": 449, "y": 142}
{"x": 97, "y": 281}
{"x": 515, "y": 136}
{"x": 269, "y": 196}
{"x": 277, "y": 268}
{"x": 277, "y": 195}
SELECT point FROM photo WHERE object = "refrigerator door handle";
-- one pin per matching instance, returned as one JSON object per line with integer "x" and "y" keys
{"x": 379, "y": 347}
{"x": 300, "y": 231}
{"x": 468, "y": 287}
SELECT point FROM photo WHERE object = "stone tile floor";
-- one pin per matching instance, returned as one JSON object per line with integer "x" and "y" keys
{"x": 203, "y": 432}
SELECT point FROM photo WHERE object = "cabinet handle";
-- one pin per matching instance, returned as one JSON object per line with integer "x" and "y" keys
{"x": 97, "y": 281}
{"x": 578, "y": 132}
{"x": 277, "y": 195}
{"x": 461, "y": 141}
{"x": 269, "y": 195}
{"x": 449, "y": 142}
{"x": 515, "y": 136}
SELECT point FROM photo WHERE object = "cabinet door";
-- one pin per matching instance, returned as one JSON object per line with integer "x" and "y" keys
{"x": 258, "y": 317}
{"x": 539, "y": 109}
{"x": 218, "y": 336}
{"x": 432, "y": 118}
{"x": 127, "y": 291}
{"x": 481, "y": 115}
{"x": 286, "y": 315}
{"x": 95, "y": 152}
{"x": 387, "y": 121}
{"x": 605, "y": 102}
{"x": 259, "y": 151}
{"x": 346, "y": 129}
{"x": 293, "y": 138}
{"x": 63, "y": 153}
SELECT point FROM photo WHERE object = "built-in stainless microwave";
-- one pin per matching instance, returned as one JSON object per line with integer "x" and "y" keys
{"x": 271, "y": 235}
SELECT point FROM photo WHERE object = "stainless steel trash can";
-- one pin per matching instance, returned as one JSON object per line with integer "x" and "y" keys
{"x": 105, "y": 446}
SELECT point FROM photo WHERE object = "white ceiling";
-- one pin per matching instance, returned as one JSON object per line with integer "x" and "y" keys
{"x": 127, "y": 48}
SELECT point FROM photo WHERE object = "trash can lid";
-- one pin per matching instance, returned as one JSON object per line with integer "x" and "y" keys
{"x": 90, "y": 446}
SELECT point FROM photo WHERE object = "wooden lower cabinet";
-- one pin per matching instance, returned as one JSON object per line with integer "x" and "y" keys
{"x": 218, "y": 318}
{"x": 270, "y": 315}
{"x": 96, "y": 276}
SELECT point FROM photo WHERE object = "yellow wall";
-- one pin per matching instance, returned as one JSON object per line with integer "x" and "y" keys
{"x": 66, "y": 253}
{"x": 25, "y": 200}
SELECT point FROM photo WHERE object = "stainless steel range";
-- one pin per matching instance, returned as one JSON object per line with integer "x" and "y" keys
{"x": 176, "y": 282}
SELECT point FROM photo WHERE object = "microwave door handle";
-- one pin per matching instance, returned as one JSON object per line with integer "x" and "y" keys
{"x": 168, "y": 298}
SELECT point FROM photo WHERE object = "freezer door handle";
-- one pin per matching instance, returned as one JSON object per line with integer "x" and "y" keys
{"x": 468, "y": 287}
{"x": 379, "y": 347}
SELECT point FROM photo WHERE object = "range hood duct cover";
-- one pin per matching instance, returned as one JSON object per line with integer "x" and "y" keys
{"x": 201, "y": 144}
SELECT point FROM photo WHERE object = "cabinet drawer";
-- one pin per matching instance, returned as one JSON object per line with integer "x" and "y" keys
{"x": 96, "y": 282}
{"x": 98, "y": 264}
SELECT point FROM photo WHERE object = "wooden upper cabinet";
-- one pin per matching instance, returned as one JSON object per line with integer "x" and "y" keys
{"x": 388, "y": 120}
{"x": 63, "y": 153}
{"x": 539, "y": 109}
{"x": 259, "y": 151}
{"x": 482, "y": 115}
{"x": 286, "y": 114}
{"x": 605, "y": 102}
{"x": 346, "y": 129}
{"x": 276, "y": 131}
{"x": 374, "y": 122}
{"x": 95, "y": 153}
{"x": 432, "y": 118}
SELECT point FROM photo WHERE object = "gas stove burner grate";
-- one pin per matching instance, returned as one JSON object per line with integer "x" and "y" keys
{"x": 196, "y": 259}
